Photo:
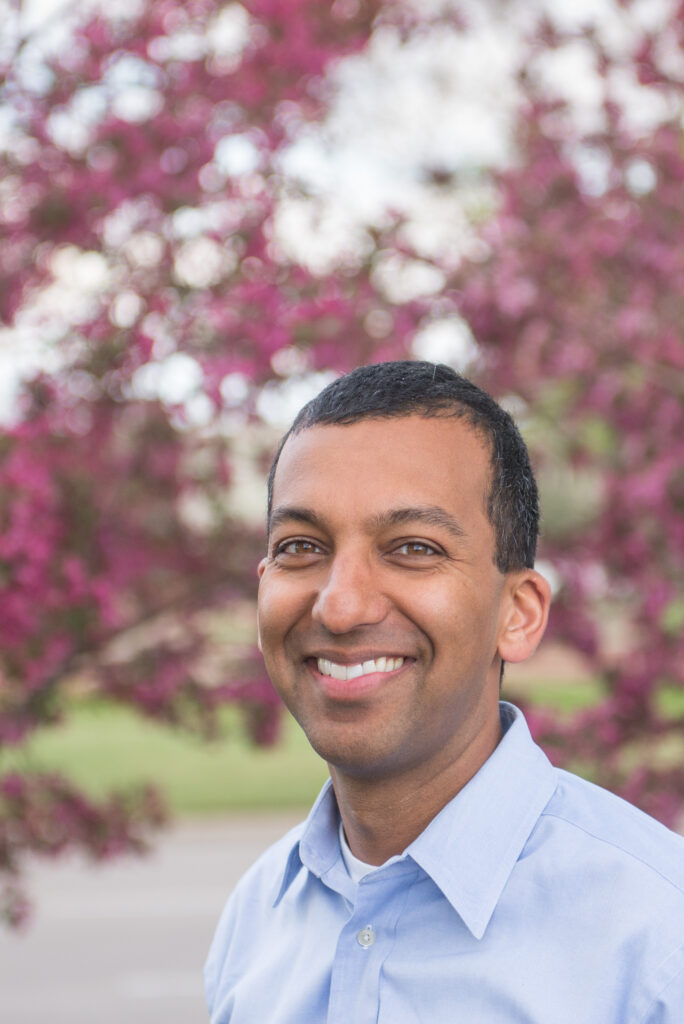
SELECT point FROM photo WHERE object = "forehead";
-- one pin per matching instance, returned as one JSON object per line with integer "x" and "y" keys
{"x": 442, "y": 460}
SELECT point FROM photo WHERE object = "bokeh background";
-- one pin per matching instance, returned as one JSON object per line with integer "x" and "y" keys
{"x": 207, "y": 210}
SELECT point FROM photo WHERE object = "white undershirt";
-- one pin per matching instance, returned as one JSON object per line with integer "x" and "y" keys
{"x": 356, "y": 868}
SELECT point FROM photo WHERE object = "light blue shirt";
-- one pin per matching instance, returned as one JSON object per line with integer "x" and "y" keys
{"x": 533, "y": 897}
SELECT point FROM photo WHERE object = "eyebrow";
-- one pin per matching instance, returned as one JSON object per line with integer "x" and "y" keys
{"x": 289, "y": 513}
{"x": 431, "y": 515}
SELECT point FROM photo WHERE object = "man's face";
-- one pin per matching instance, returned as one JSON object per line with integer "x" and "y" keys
{"x": 380, "y": 606}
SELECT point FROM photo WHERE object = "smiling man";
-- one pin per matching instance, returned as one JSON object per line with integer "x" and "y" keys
{"x": 447, "y": 872}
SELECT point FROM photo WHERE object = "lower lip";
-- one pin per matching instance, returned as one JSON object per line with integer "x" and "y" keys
{"x": 353, "y": 689}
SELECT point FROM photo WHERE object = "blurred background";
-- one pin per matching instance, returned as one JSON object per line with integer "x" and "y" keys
{"x": 207, "y": 211}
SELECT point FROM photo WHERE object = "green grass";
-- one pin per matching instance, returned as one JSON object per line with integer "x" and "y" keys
{"x": 670, "y": 702}
{"x": 565, "y": 697}
{"x": 102, "y": 746}
{"x": 569, "y": 696}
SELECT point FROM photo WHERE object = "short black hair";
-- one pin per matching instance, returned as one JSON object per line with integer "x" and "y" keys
{"x": 409, "y": 388}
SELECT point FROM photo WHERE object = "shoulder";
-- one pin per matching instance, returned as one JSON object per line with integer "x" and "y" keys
{"x": 592, "y": 835}
{"x": 605, "y": 874}
{"x": 601, "y": 823}
{"x": 252, "y": 899}
{"x": 262, "y": 881}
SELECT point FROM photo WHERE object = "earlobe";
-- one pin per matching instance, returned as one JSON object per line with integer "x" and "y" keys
{"x": 526, "y": 616}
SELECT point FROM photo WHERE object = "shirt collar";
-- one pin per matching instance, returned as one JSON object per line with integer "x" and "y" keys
{"x": 315, "y": 844}
{"x": 470, "y": 848}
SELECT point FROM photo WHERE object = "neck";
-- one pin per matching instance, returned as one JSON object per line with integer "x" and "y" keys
{"x": 383, "y": 815}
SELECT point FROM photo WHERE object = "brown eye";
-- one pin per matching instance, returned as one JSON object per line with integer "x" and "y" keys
{"x": 297, "y": 547}
{"x": 416, "y": 547}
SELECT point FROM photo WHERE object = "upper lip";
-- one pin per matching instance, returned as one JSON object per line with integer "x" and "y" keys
{"x": 356, "y": 657}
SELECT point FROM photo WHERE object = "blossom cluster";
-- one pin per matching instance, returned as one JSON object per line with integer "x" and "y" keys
{"x": 114, "y": 504}
{"x": 579, "y": 307}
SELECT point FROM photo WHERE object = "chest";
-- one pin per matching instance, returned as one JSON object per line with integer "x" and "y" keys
{"x": 402, "y": 955}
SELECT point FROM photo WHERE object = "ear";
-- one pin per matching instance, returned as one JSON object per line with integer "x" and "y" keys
{"x": 526, "y": 613}
{"x": 260, "y": 573}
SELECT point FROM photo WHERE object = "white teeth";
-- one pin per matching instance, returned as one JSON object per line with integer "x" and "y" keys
{"x": 382, "y": 664}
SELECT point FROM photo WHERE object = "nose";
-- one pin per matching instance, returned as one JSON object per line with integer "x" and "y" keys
{"x": 350, "y": 596}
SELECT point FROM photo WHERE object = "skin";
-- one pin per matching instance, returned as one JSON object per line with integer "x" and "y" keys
{"x": 380, "y": 545}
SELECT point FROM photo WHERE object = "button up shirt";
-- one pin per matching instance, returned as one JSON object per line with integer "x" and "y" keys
{"x": 533, "y": 897}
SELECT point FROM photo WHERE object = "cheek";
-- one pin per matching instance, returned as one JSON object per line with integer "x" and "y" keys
{"x": 458, "y": 622}
{"x": 279, "y": 606}
{"x": 267, "y": 618}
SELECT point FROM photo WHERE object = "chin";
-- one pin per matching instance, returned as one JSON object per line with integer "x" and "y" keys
{"x": 351, "y": 758}
{"x": 357, "y": 761}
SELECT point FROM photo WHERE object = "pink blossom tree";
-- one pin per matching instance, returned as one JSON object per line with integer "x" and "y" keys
{"x": 153, "y": 144}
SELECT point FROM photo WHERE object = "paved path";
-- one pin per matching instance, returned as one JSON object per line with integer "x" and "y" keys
{"x": 126, "y": 942}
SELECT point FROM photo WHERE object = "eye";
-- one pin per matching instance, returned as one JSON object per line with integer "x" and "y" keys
{"x": 416, "y": 548}
{"x": 297, "y": 547}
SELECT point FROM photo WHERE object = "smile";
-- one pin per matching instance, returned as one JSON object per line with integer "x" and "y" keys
{"x": 365, "y": 668}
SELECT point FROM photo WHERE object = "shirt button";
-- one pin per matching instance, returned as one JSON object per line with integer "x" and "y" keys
{"x": 366, "y": 937}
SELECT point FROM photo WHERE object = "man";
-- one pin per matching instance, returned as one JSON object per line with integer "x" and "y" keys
{"x": 447, "y": 872}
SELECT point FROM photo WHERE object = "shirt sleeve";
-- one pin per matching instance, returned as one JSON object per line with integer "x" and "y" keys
{"x": 668, "y": 1006}
{"x": 218, "y": 952}
{"x": 237, "y": 929}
